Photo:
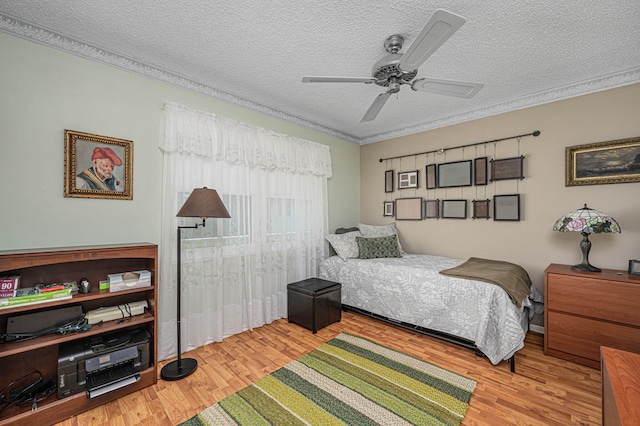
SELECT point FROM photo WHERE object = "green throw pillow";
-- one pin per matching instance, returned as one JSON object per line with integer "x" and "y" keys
{"x": 371, "y": 248}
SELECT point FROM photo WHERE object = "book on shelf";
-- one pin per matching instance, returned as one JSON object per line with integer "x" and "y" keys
{"x": 9, "y": 285}
{"x": 28, "y": 296}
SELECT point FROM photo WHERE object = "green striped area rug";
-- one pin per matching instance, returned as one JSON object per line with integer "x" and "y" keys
{"x": 347, "y": 381}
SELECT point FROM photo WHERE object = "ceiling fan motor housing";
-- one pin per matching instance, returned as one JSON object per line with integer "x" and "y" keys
{"x": 387, "y": 67}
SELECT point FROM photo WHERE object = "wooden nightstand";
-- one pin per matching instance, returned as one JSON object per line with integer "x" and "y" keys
{"x": 586, "y": 310}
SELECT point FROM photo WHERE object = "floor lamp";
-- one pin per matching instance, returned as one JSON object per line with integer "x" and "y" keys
{"x": 201, "y": 203}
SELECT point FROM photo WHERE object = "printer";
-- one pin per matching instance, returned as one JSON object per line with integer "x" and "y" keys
{"x": 104, "y": 363}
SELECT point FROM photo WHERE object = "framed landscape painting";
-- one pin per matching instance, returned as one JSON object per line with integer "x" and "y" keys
{"x": 600, "y": 163}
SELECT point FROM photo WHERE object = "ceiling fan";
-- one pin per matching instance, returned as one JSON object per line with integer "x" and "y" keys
{"x": 397, "y": 69}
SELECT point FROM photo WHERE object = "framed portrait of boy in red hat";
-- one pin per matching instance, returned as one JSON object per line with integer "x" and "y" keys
{"x": 97, "y": 166}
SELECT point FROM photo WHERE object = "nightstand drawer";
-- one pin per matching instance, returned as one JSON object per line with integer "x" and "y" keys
{"x": 592, "y": 297}
{"x": 583, "y": 336}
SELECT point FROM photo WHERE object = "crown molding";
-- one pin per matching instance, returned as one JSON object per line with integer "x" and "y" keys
{"x": 34, "y": 33}
{"x": 557, "y": 94}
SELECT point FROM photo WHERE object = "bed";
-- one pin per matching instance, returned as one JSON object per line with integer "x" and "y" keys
{"x": 411, "y": 292}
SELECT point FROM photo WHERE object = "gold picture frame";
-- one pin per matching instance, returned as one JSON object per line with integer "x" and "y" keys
{"x": 616, "y": 161}
{"x": 97, "y": 166}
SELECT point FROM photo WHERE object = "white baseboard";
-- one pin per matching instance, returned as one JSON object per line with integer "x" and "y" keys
{"x": 536, "y": 328}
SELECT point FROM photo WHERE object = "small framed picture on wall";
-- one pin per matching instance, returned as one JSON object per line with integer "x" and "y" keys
{"x": 454, "y": 209}
{"x": 480, "y": 168}
{"x": 388, "y": 208}
{"x": 408, "y": 179}
{"x": 508, "y": 168}
{"x": 432, "y": 176}
{"x": 481, "y": 209}
{"x": 506, "y": 207}
{"x": 456, "y": 173}
{"x": 432, "y": 209}
{"x": 388, "y": 181}
{"x": 409, "y": 208}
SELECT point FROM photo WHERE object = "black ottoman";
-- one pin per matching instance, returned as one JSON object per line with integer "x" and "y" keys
{"x": 314, "y": 303}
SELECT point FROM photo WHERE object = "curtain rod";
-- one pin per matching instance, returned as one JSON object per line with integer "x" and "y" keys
{"x": 535, "y": 133}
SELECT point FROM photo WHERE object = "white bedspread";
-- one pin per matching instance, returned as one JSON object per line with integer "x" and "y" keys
{"x": 410, "y": 289}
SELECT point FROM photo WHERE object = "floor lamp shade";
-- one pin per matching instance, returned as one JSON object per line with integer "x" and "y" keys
{"x": 203, "y": 203}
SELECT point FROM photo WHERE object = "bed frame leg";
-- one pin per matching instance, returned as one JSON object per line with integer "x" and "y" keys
{"x": 512, "y": 361}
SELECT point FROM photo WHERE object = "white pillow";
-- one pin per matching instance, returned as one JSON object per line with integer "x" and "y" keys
{"x": 373, "y": 231}
{"x": 345, "y": 244}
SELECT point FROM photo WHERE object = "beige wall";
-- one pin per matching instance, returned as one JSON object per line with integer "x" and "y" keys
{"x": 598, "y": 117}
{"x": 45, "y": 91}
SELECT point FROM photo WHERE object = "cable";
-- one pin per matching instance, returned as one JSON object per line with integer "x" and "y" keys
{"x": 77, "y": 325}
{"x": 23, "y": 392}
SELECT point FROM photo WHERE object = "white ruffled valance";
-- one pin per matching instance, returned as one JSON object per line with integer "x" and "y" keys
{"x": 187, "y": 132}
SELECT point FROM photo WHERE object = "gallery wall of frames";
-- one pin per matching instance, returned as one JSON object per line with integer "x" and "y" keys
{"x": 438, "y": 174}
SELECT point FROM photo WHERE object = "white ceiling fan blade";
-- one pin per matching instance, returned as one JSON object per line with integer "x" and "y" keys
{"x": 459, "y": 89}
{"x": 375, "y": 107}
{"x": 438, "y": 29}
{"x": 338, "y": 80}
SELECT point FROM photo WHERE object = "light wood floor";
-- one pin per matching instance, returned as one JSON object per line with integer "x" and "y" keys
{"x": 544, "y": 391}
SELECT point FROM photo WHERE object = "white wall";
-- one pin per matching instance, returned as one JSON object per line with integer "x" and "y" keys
{"x": 597, "y": 117}
{"x": 45, "y": 91}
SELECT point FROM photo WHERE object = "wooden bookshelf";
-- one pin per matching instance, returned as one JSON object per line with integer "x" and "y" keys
{"x": 41, "y": 353}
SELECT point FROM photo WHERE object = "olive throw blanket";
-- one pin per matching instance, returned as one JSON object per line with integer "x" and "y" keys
{"x": 349, "y": 380}
{"x": 513, "y": 278}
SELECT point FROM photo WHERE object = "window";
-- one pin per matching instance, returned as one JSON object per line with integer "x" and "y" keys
{"x": 232, "y": 231}
{"x": 286, "y": 217}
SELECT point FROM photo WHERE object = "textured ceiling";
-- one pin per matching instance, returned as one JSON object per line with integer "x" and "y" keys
{"x": 254, "y": 54}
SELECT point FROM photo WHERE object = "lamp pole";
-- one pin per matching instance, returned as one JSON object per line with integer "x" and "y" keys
{"x": 202, "y": 203}
{"x": 180, "y": 368}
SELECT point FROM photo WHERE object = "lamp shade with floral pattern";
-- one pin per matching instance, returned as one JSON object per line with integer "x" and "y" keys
{"x": 587, "y": 221}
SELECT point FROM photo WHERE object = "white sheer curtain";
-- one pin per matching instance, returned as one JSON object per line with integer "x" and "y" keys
{"x": 235, "y": 271}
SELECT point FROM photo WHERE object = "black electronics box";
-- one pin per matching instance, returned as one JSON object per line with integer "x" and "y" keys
{"x": 41, "y": 321}
{"x": 73, "y": 357}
